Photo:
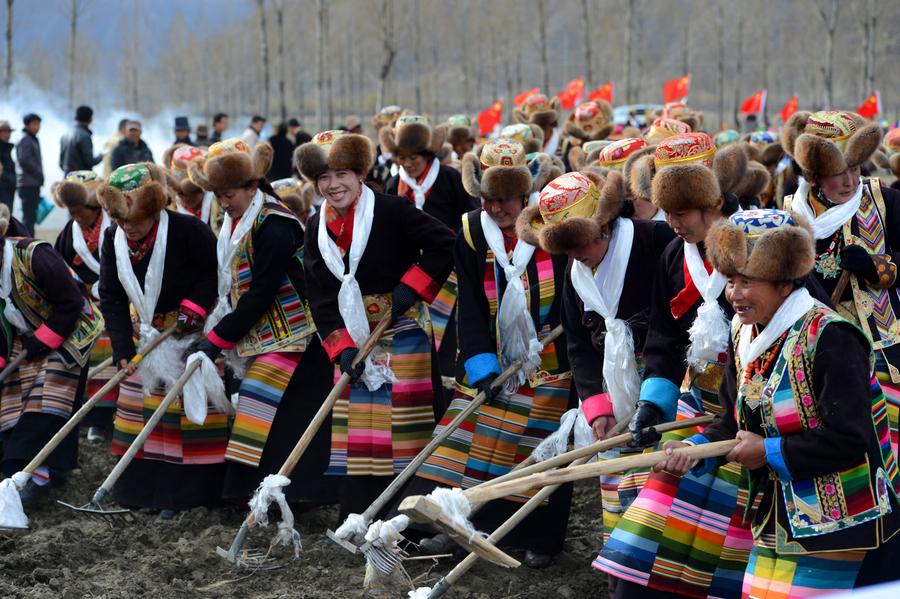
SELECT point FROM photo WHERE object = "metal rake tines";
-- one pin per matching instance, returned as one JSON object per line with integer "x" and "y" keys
{"x": 256, "y": 559}
{"x": 384, "y": 560}
{"x": 112, "y": 517}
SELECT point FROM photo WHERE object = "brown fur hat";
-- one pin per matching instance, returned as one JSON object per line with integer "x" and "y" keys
{"x": 755, "y": 181}
{"x": 883, "y": 159}
{"x": 591, "y": 121}
{"x": 412, "y": 135}
{"x": 780, "y": 248}
{"x": 530, "y": 136}
{"x": 460, "y": 129}
{"x": 334, "y": 150}
{"x": 500, "y": 172}
{"x": 572, "y": 231}
{"x": 71, "y": 194}
{"x": 134, "y": 192}
{"x": 679, "y": 187}
{"x": 5, "y": 217}
{"x": 229, "y": 164}
{"x": 804, "y": 139}
{"x": 543, "y": 170}
{"x": 540, "y": 111}
{"x": 638, "y": 173}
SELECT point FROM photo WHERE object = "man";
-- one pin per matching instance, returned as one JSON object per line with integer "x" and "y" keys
{"x": 111, "y": 144}
{"x": 202, "y": 137}
{"x": 220, "y": 126}
{"x": 296, "y": 133}
{"x": 352, "y": 124}
{"x": 31, "y": 175}
{"x": 282, "y": 153}
{"x": 251, "y": 135}
{"x": 132, "y": 149}
{"x": 183, "y": 131}
{"x": 7, "y": 167}
{"x": 76, "y": 148}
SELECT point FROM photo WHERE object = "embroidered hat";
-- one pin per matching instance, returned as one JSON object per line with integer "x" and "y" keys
{"x": 539, "y": 110}
{"x": 78, "y": 188}
{"x": 290, "y": 191}
{"x": 681, "y": 112}
{"x": 828, "y": 142}
{"x": 590, "y": 121}
{"x": 412, "y": 134}
{"x": 386, "y": 116}
{"x": 728, "y": 136}
{"x": 530, "y": 136}
{"x": 615, "y": 154}
{"x": 177, "y": 159}
{"x": 134, "y": 192}
{"x": 892, "y": 140}
{"x": 335, "y": 150}
{"x": 500, "y": 171}
{"x": 768, "y": 245}
{"x": 661, "y": 128}
{"x": 688, "y": 148}
{"x": 460, "y": 130}
{"x": 229, "y": 164}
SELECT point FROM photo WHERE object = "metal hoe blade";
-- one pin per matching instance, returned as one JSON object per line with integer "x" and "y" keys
{"x": 113, "y": 517}
{"x": 12, "y": 531}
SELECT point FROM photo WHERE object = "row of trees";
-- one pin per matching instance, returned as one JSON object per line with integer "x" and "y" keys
{"x": 331, "y": 58}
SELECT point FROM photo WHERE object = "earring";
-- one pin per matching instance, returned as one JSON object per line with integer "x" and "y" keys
{"x": 604, "y": 236}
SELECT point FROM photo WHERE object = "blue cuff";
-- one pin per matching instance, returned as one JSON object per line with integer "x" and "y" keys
{"x": 775, "y": 459}
{"x": 480, "y": 366}
{"x": 706, "y": 465}
{"x": 662, "y": 393}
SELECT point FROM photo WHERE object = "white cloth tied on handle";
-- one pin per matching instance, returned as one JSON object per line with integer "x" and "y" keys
{"x": 353, "y": 526}
{"x": 272, "y": 489}
{"x": 203, "y": 387}
{"x": 710, "y": 331}
{"x": 12, "y": 514}
{"x": 457, "y": 508}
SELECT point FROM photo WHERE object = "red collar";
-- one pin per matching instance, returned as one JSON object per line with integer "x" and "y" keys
{"x": 690, "y": 295}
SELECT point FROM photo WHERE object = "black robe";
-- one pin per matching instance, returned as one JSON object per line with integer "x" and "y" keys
{"x": 447, "y": 200}
{"x": 65, "y": 246}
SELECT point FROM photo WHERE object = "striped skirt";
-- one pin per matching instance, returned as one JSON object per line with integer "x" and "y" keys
{"x": 378, "y": 433}
{"x": 441, "y": 309}
{"x": 102, "y": 350}
{"x": 45, "y": 386}
{"x": 892, "y": 396}
{"x": 175, "y": 440}
{"x": 618, "y": 491}
{"x": 497, "y": 437}
{"x": 773, "y": 576}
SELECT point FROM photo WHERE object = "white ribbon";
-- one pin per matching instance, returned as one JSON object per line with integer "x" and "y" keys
{"x": 419, "y": 191}
{"x": 831, "y": 220}
{"x": 350, "y": 300}
{"x": 272, "y": 489}
{"x": 12, "y": 515}
{"x": 534, "y": 198}
{"x": 709, "y": 332}
{"x": 456, "y": 508}
{"x": 205, "y": 385}
{"x": 80, "y": 245}
{"x": 557, "y": 442}
{"x": 553, "y": 143}
{"x": 601, "y": 294}
{"x": 516, "y": 332}
{"x": 12, "y": 314}
{"x": 790, "y": 311}
{"x": 205, "y": 207}
{"x": 354, "y": 526}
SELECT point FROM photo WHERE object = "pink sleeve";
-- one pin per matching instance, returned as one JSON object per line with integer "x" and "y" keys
{"x": 219, "y": 342}
{"x": 193, "y": 308}
{"x": 48, "y": 337}
{"x": 596, "y": 406}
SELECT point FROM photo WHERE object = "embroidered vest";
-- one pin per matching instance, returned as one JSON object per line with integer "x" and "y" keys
{"x": 286, "y": 324}
{"x": 834, "y": 501}
{"x": 36, "y": 308}
{"x": 550, "y": 369}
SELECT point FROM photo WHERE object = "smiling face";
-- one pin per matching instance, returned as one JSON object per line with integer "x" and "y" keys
{"x": 840, "y": 188}
{"x": 753, "y": 300}
{"x": 505, "y": 211}
{"x": 236, "y": 201}
{"x": 340, "y": 188}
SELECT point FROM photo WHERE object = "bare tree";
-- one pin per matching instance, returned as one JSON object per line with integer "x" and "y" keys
{"x": 869, "y": 23}
{"x": 588, "y": 39}
{"x": 320, "y": 64}
{"x": 264, "y": 53}
{"x": 686, "y": 46}
{"x": 8, "y": 73}
{"x": 545, "y": 63}
{"x": 417, "y": 52}
{"x": 720, "y": 29}
{"x": 76, "y": 8}
{"x": 738, "y": 67}
{"x": 282, "y": 94}
{"x": 626, "y": 63}
{"x": 828, "y": 11}
{"x": 390, "y": 51}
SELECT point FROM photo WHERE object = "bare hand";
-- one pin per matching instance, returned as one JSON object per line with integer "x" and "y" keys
{"x": 678, "y": 462}
{"x": 127, "y": 366}
{"x": 750, "y": 450}
{"x": 602, "y": 425}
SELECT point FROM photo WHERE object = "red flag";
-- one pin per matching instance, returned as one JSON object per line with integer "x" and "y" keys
{"x": 604, "y": 92}
{"x": 573, "y": 93}
{"x": 676, "y": 89}
{"x": 523, "y": 97}
{"x": 789, "y": 109}
{"x": 871, "y": 106}
{"x": 755, "y": 103}
{"x": 490, "y": 118}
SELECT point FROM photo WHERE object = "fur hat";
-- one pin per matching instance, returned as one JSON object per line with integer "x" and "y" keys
{"x": 686, "y": 186}
{"x": 530, "y": 136}
{"x": 587, "y": 153}
{"x": 334, "y": 150}
{"x": 412, "y": 135}
{"x": 769, "y": 155}
{"x": 229, "y": 164}
{"x": 460, "y": 129}
{"x": 590, "y": 121}
{"x": 614, "y": 155}
{"x": 177, "y": 159}
{"x": 756, "y": 180}
{"x": 571, "y": 212}
{"x": 500, "y": 171}
{"x": 290, "y": 192}
{"x": 728, "y": 136}
{"x": 828, "y": 142}
{"x": 386, "y": 116}
{"x": 768, "y": 245}
{"x": 638, "y": 173}
{"x": 78, "y": 188}
{"x": 661, "y": 128}
{"x": 689, "y": 148}
{"x": 134, "y": 192}
{"x": 539, "y": 110}
{"x": 5, "y": 217}
{"x": 543, "y": 170}
{"x": 680, "y": 112}
{"x": 885, "y": 160}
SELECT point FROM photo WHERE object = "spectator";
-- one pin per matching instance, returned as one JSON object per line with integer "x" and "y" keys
{"x": 202, "y": 138}
{"x": 110, "y": 145}
{"x": 352, "y": 124}
{"x": 220, "y": 126}
{"x": 132, "y": 148}
{"x": 31, "y": 175}
{"x": 76, "y": 148}
{"x": 296, "y": 133}
{"x": 282, "y": 154}
{"x": 7, "y": 167}
{"x": 251, "y": 135}
{"x": 183, "y": 131}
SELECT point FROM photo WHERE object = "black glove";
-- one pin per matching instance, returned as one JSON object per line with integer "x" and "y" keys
{"x": 204, "y": 345}
{"x": 402, "y": 299}
{"x": 857, "y": 260}
{"x": 484, "y": 386}
{"x": 646, "y": 414}
{"x": 345, "y": 360}
{"x": 35, "y": 349}
{"x": 188, "y": 321}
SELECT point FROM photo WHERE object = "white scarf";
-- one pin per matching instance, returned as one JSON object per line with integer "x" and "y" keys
{"x": 601, "y": 294}
{"x": 81, "y": 247}
{"x": 709, "y": 332}
{"x": 659, "y": 216}
{"x": 12, "y": 314}
{"x": 831, "y": 220}
{"x": 534, "y": 198}
{"x": 790, "y": 311}
{"x": 228, "y": 245}
{"x": 205, "y": 207}
{"x": 518, "y": 338}
{"x": 553, "y": 143}
{"x": 350, "y": 300}
{"x": 420, "y": 190}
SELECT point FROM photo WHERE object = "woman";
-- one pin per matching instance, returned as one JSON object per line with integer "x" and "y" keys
{"x": 79, "y": 244}
{"x": 157, "y": 269}
{"x": 262, "y": 325}
{"x": 189, "y": 197}
{"x": 856, "y": 223}
{"x": 47, "y": 316}
{"x": 397, "y": 257}
{"x": 800, "y": 395}
{"x": 511, "y": 423}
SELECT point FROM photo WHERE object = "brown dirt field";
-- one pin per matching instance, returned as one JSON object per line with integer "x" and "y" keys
{"x": 72, "y": 557}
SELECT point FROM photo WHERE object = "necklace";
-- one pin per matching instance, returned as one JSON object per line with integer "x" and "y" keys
{"x": 754, "y": 374}
{"x": 828, "y": 263}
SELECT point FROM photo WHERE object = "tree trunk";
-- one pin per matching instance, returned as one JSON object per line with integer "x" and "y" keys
{"x": 320, "y": 65}
{"x": 417, "y": 53}
{"x": 545, "y": 63}
{"x": 829, "y": 14}
{"x": 588, "y": 50}
{"x": 738, "y": 70}
{"x": 765, "y": 75}
{"x": 869, "y": 26}
{"x": 387, "y": 39}
{"x": 279, "y": 18}
{"x": 626, "y": 63}
{"x": 720, "y": 28}
{"x": 8, "y": 74}
{"x": 73, "y": 34}
{"x": 686, "y": 46}
{"x": 264, "y": 54}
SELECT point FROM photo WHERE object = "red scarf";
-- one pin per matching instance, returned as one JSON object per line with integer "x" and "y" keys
{"x": 403, "y": 189}
{"x": 341, "y": 227}
{"x": 91, "y": 239}
{"x": 688, "y": 296}
{"x": 137, "y": 250}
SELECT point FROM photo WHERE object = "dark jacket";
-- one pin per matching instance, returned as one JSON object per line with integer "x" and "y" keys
{"x": 8, "y": 176}
{"x": 184, "y": 140}
{"x": 127, "y": 153}
{"x": 66, "y": 248}
{"x": 282, "y": 157}
{"x": 447, "y": 199}
{"x": 76, "y": 150}
{"x": 28, "y": 155}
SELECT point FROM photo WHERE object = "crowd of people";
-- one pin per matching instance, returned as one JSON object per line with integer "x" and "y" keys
{"x": 750, "y": 277}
